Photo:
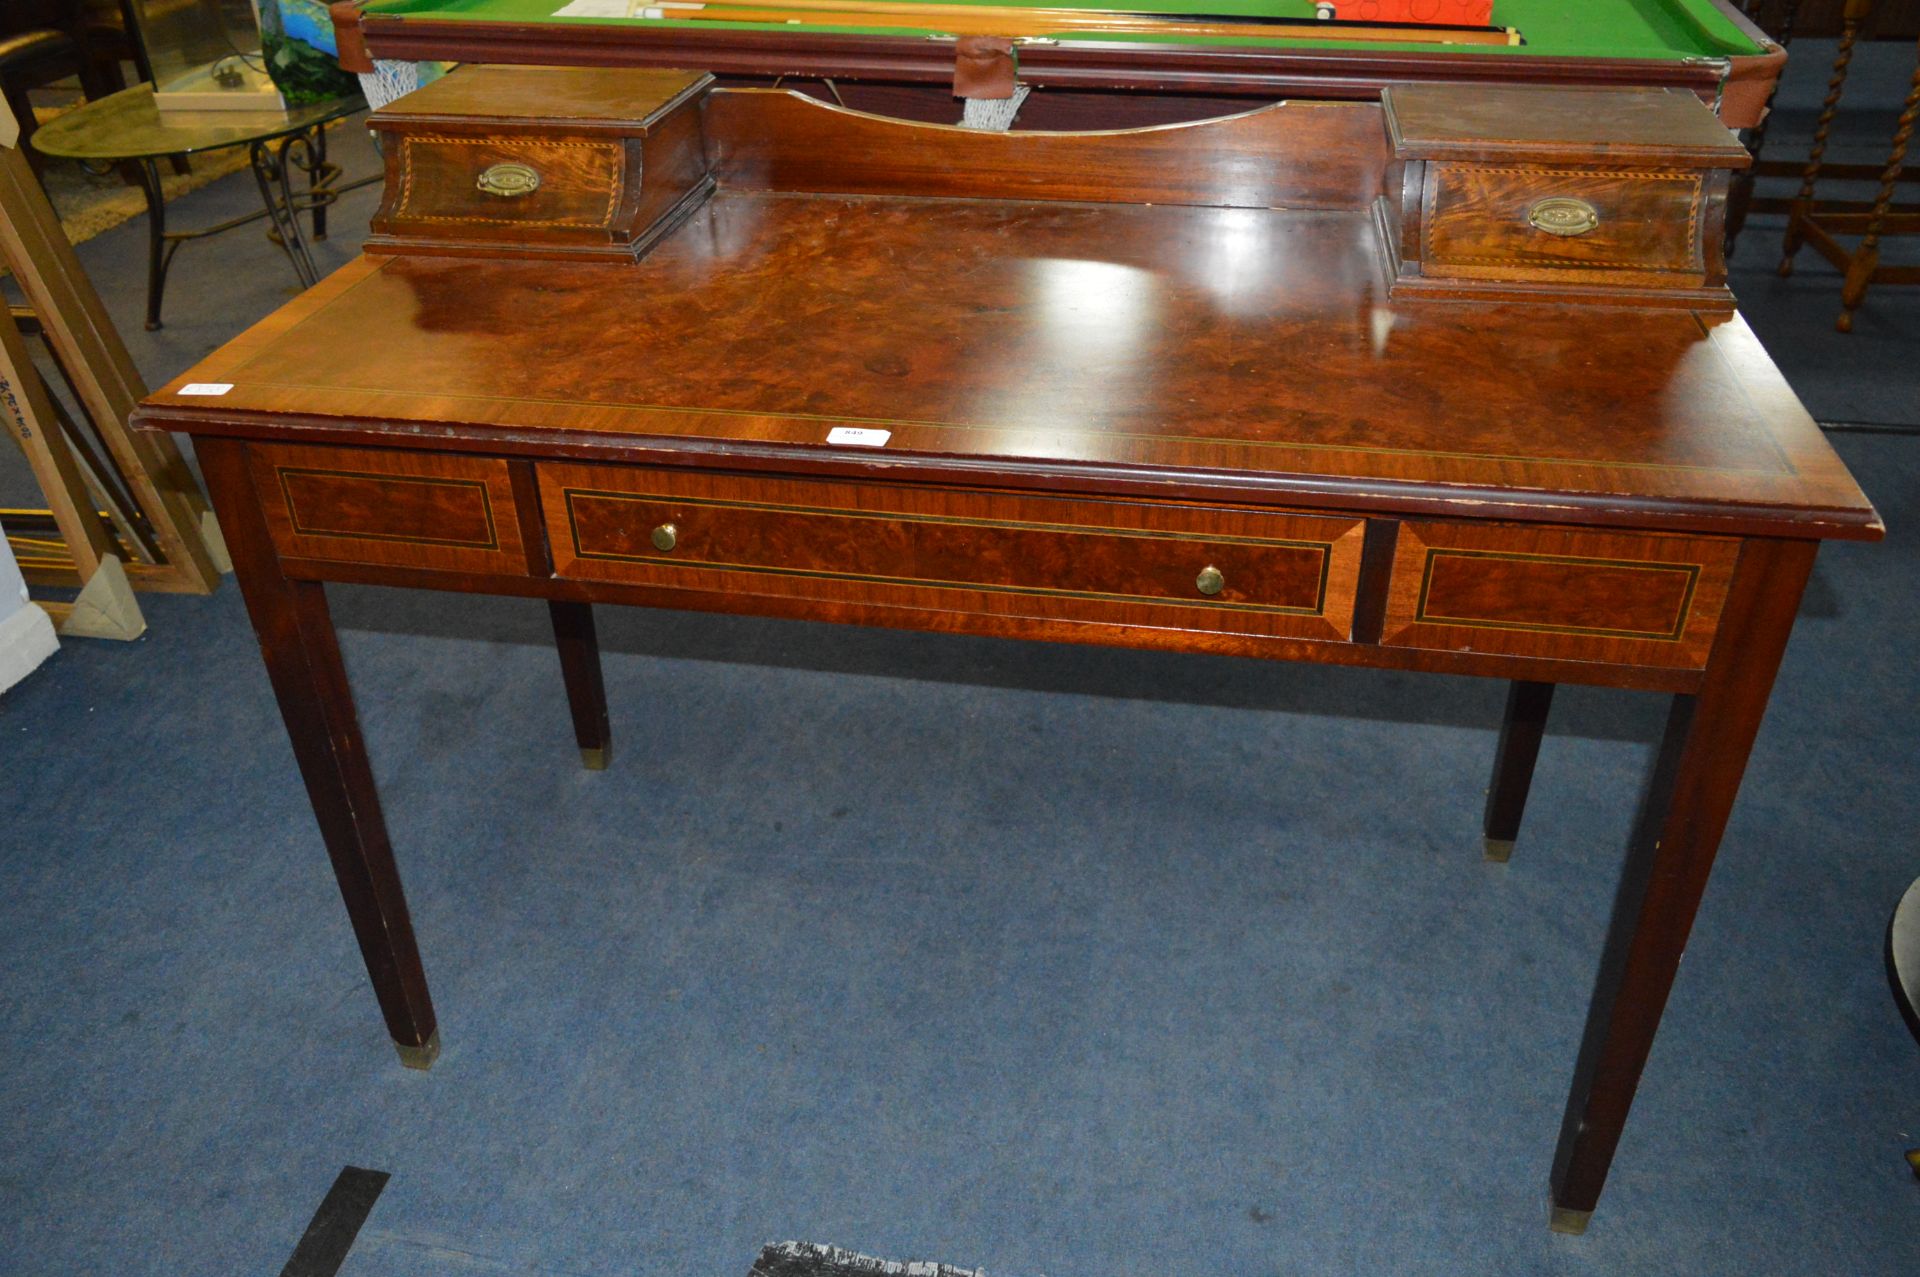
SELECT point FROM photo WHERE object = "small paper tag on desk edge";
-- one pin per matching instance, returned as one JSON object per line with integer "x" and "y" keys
{"x": 860, "y": 436}
{"x": 206, "y": 388}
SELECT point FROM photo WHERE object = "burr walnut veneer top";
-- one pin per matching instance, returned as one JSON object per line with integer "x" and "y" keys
{"x": 1243, "y": 354}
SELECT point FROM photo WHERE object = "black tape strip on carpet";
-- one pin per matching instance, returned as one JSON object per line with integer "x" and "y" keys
{"x": 324, "y": 1246}
{"x": 1869, "y": 428}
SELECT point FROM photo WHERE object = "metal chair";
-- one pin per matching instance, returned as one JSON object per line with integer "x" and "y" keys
{"x": 28, "y": 60}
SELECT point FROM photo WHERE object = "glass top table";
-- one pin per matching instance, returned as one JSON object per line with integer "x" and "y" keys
{"x": 128, "y": 128}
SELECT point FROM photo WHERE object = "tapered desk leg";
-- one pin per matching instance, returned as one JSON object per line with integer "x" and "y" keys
{"x": 303, "y": 662}
{"x": 1520, "y": 733}
{"x": 579, "y": 647}
{"x": 1682, "y": 815}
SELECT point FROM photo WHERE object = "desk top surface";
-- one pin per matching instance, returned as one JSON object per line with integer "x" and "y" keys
{"x": 1234, "y": 354}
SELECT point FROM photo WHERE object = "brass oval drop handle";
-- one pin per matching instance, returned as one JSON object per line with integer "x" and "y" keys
{"x": 508, "y": 181}
{"x": 665, "y": 537}
{"x": 1564, "y": 216}
{"x": 1210, "y": 581}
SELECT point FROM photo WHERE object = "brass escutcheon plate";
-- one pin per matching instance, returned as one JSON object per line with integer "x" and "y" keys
{"x": 509, "y": 180}
{"x": 1563, "y": 215}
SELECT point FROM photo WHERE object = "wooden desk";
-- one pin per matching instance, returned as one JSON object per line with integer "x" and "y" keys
{"x": 1205, "y": 388}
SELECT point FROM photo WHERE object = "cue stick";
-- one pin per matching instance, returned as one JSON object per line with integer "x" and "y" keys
{"x": 1019, "y": 20}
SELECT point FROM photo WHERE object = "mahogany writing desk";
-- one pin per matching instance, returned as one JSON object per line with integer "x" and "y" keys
{"x": 1448, "y": 382}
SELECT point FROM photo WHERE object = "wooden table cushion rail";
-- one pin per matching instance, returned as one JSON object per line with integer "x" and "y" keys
{"x": 1706, "y": 47}
{"x": 1178, "y": 388}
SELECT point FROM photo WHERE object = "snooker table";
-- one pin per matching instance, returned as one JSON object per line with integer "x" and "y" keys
{"x": 1092, "y": 79}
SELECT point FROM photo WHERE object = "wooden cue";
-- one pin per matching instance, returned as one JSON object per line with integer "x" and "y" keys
{"x": 956, "y": 24}
{"x": 988, "y": 19}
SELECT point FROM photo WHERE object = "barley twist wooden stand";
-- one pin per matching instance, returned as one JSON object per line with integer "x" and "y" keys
{"x": 1808, "y": 224}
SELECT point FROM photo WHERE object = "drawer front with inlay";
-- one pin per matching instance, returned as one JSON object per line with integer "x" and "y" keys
{"x": 404, "y": 508}
{"x": 1574, "y": 594}
{"x": 1160, "y": 566}
{"x": 1498, "y": 218}
{"x": 484, "y": 185}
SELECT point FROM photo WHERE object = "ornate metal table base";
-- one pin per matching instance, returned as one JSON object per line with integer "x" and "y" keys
{"x": 275, "y": 163}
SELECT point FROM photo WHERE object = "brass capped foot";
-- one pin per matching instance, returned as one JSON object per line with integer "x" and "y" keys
{"x": 420, "y": 1057}
{"x": 1571, "y": 1222}
{"x": 596, "y": 759}
{"x": 1498, "y": 849}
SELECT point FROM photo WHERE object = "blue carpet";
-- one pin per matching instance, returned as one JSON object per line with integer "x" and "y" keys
{"x": 1052, "y": 960}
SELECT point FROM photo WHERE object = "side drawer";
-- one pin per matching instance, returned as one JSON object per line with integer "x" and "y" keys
{"x": 1578, "y": 219}
{"x": 1574, "y": 594}
{"x": 957, "y": 550}
{"x": 409, "y": 509}
{"x": 503, "y": 184}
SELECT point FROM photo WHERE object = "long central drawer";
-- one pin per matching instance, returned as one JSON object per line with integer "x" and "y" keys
{"x": 1156, "y": 565}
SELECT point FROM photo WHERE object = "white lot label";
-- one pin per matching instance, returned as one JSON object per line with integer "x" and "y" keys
{"x": 206, "y": 388}
{"x": 859, "y": 436}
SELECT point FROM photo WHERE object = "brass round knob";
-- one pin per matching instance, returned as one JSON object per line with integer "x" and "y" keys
{"x": 665, "y": 537}
{"x": 1211, "y": 580}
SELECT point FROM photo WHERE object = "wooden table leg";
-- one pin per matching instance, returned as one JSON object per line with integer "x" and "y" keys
{"x": 579, "y": 646}
{"x": 1682, "y": 815}
{"x": 303, "y": 662}
{"x": 1520, "y": 732}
